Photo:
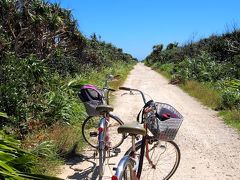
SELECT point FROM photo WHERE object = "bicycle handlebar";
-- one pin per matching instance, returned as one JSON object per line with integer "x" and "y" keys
{"x": 109, "y": 89}
{"x": 125, "y": 88}
{"x": 130, "y": 89}
{"x": 109, "y": 77}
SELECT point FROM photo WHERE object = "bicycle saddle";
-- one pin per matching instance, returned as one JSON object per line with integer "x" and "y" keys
{"x": 132, "y": 128}
{"x": 104, "y": 108}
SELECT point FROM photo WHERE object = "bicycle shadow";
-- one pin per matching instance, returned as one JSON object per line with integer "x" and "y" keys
{"x": 84, "y": 165}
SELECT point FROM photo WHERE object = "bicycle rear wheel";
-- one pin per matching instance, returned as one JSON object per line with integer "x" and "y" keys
{"x": 165, "y": 157}
{"x": 90, "y": 131}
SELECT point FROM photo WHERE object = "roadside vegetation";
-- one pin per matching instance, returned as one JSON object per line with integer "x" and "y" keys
{"x": 41, "y": 51}
{"x": 208, "y": 69}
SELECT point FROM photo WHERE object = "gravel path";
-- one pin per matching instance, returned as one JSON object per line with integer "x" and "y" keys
{"x": 209, "y": 148}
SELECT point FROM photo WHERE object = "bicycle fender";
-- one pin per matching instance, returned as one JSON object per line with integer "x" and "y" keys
{"x": 121, "y": 166}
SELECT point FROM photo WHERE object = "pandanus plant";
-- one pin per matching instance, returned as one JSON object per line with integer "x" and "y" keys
{"x": 16, "y": 163}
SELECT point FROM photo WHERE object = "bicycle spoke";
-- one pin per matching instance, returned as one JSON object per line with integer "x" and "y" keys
{"x": 165, "y": 159}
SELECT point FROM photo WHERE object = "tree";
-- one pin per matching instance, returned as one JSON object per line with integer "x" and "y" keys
{"x": 172, "y": 45}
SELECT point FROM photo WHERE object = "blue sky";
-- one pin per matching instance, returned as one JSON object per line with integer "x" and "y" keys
{"x": 137, "y": 25}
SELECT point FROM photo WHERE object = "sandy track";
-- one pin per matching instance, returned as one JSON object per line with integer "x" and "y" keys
{"x": 209, "y": 149}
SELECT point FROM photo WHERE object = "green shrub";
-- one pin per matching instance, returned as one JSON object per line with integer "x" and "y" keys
{"x": 23, "y": 79}
{"x": 169, "y": 68}
{"x": 230, "y": 93}
{"x": 202, "y": 68}
{"x": 230, "y": 99}
{"x": 39, "y": 54}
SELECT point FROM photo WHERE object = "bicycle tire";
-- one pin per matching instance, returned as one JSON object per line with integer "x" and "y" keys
{"x": 102, "y": 157}
{"x": 91, "y": 125}
{"x": 128, "y": 172}
{"x": 156, "y": 152}
{"x": 125, "y": 169}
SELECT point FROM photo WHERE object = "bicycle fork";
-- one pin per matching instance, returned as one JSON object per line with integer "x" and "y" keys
{"x": 147, "y": 156}
{"x": 101, "y": 144}
{"x": 147, "y": 151}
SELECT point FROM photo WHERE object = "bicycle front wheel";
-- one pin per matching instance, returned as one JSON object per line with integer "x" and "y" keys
{"x": 90, "y": 131}
{"x": 128, "y": 172}
{"x": 125, "y": 169}
{"x": 161, "y": 160}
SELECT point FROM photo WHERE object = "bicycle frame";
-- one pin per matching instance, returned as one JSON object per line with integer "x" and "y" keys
{"x": 104, "y": 143}
{"x": 144, "y": 147}
{"x": 103, "y": 130}
{"x": 106, "y": 88}
{"x": 146, "y": 139}
{"x": 103, "y": 136}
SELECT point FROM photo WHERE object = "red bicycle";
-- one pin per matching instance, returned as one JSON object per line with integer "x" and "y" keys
{"x": 156, "y": 156}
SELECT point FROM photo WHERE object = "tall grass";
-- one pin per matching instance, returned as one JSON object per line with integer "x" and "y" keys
{"x": 52, "y": 145}
{"x": 214, "y": 99}
{"x": 232, "y": 118}
{"x": 207, "y": 95}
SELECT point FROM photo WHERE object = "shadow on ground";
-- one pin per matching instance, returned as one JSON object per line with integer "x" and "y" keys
{"x": 85, "y": 167}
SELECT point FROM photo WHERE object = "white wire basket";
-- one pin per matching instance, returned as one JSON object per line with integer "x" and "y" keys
{"x": 164, "y": 121}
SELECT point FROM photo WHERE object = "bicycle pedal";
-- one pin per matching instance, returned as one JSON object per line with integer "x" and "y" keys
{"x": 137, "y": 137}
{"x": 93, "y": 134}
{"x": 95, "y": 154}
{"x": 162, "y": 146}
{"x": 111, "y": 164}
{"x": 116, "y": 150}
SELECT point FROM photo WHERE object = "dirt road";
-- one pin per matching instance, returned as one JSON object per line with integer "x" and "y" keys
{"x": 209, "y": 149}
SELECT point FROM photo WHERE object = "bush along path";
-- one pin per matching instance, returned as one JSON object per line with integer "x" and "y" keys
{"x": 209, "y": 148}
{"x": 41, "y": 51}
{"x": 208, "y": 69}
